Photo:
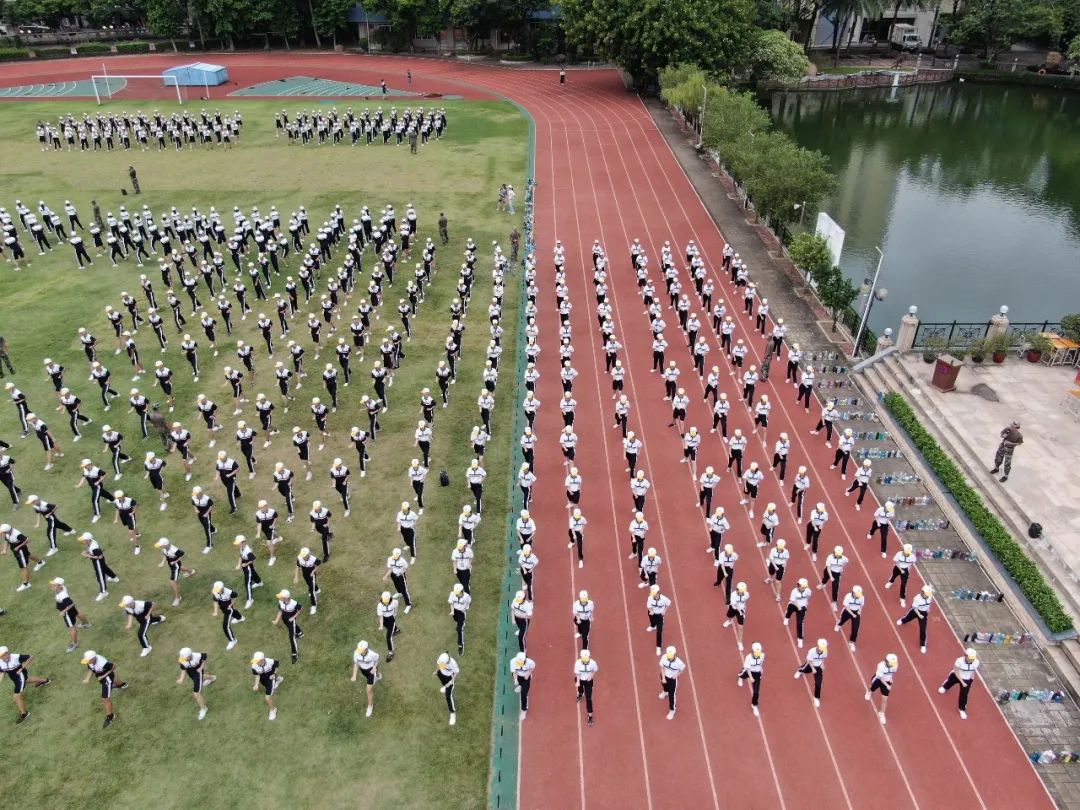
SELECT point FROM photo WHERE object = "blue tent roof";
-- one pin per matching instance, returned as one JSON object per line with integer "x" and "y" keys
{"x": 357, "y": 14}
{"x": 203, "y": 66}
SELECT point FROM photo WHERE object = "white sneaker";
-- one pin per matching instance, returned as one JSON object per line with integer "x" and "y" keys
{"x": 453, "y": 718}
{"x": 523, "y": 712}
{"x": 798, "y": 642}
{"x": 51, "y": 551}
{"x": 273, "y": 714}
{"x": 851, "y": 646}
{"x": 146, "y": 651}
{"x": 313, "y": 610}
{"x": 963, "y": 715}
{"x": 671, "y": 715}
{"x": 176, "y": 601}
{"x": 867, "y": 696}
{"x": 248, "y": 604}
{"x": 408, "y": 608}
{"x": 231, "y": 644}
{"x": 368, "y": 711}
{"x": 756, "y": 712}
{"x": 581, "y": 564}
{"x": 101, "y": 596}
{"x": 202, "y": 712}
{"x": 881, "y": 717}
{"x": 941, "y": 690}
{"x": 207, "y": 550}
{"x": 817, "y": 703}
{"x": 922, "y": 650}
{"x": 26, "y": 586}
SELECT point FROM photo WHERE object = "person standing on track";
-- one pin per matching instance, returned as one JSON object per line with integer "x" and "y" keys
{"x": 648, "y": 568}
{"x": 833, "y": 570}
{"x": 657, "y": 606}
{"x": 815, "y": 665}
{"x": 861, "y": 482}
{"x": 671, "y": 667}
{"x": 902, "y": 562}
{"x": 920, "y": 611}
{"x": 583, "y": 610}
{"x": 366, "y": 662}
{"x": 799, "y": 487}
{"x": 818, "y": 518}
{"x": 962, "y": 675}
{"x": 447, "y": 671}
{"x": 577, "y": 524}
{"x": 776, "y": 565}
{"x": 751, "y": 670}
{"x": 882, "y": 682}
{"x": 736, "y": 612}
{"x": 707, "y": 483}
{"x": 843, "y": 452}
{"x": 854, "y": 601}
{"x": 725, "y": 570}
{"x": 521, "y": 669}
{"x": 883, "y": 518}
{"x": 585, "y": 669}
{"x": 797, "y": 603}
{"x": 521, "y": 610}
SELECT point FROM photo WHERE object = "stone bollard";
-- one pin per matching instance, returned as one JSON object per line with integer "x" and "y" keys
{"x": 884, "y": 342}
{"x": 909, "y": 325}
{"x": 999, "y": 324}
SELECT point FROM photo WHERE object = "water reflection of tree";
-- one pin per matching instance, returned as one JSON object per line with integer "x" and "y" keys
{"x": 957, "y": 136}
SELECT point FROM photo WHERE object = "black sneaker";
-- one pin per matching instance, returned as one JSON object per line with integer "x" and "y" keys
{"x": 45, "y": 682}
{"x": 994, "y": 470}
{"x": 22, "y": 717}
{"x": 108, "y": 720}
{"x": 1003, "y": 478}
{"x": 295, "y": 657}
{"x": 389, "y": 657}
{"x": 590, "y": 720}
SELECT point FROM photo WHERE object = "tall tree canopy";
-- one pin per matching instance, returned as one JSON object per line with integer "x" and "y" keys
{"x": 645, "y": 36}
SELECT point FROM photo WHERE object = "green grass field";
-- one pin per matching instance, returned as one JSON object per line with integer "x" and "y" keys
{"x": 321, "y": 751}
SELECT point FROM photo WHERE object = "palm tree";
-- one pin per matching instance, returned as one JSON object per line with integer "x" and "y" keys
{"x": 847, "y": 12}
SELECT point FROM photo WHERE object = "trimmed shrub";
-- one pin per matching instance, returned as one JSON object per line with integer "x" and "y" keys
{"x": 12, "y": 54}
{"x": 131, "y": 47}
{"x": 1012, "y": 556}
{"x": 93, "y": 48}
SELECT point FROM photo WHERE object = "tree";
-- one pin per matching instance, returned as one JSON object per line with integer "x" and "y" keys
{"x": 811, "y": 254}
{"x": 167, "y": 18}
{"x": 836, "y": 292}
{"x": 687, "y": 95}
{"x": 776, "y": 58}
{"x": 329, "y": 17}
{"x": 1074, "y": 48}
{"x": 730, "y": 117}
{"x": 645, "y": 36}
{"x": 996, "y": 24}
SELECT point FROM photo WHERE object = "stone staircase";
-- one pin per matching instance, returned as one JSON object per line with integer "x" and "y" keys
{"x": 889, "y": 374}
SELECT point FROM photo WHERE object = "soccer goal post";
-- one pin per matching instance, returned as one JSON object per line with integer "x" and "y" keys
{"x": 145, "y": 86}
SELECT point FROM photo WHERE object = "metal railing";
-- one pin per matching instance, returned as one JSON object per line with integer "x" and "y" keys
{"x": 959, "y": 334}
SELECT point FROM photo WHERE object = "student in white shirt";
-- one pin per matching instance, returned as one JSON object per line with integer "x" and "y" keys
{"x": 883, "y": 682}
{"x": 648, "y": 568}
{"x": 854, "y": 602}
{"x": 796, "y": 606}
{"x": 962, "y": 675}
{"x": 751, "y": 670}
{"x": 725, "y": 570}
{"x": 920, "y": 611}
{"x": 521, "y": 669}
{"x": 671, "y": 667}
{"x": 883, "y": 518}
{"x": 576, "y": 532}
{"x": 736, "y": 612}
{"x": 832, "y": 571}
{"x": 639, "y": 528}
{"x": 656, "y": 606}
{"x": 861, "y": 482}
{"x": 902, "y": 562}
{"x": 585, "y": 669}
{"x": 366, "y": 662}
{"x": 815, "y": 665}
{"x": 447, "y": 670}
{"x": 776, "y": 566}
{"x": 582, "y": 610}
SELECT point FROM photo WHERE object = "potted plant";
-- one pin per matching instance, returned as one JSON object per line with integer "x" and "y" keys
{"x": 959, "y": 352}
{"x": 1037, "y": 344}
{"x": 1070, "y": 327}
{"x": 998, "y": 346}
{"x": 978, "y": 353}
{"x": 934, "y": 346}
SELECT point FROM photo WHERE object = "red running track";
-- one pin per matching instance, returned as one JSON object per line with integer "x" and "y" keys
{"x": 605, "y": 172}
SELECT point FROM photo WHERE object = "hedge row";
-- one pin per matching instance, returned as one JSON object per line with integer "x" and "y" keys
{"x": 1012, "y": 556}
{"x": 8, "y": 54}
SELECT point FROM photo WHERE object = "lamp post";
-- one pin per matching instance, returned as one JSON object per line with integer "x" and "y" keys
{"x": 801, "y": 208}
{"x": 881, "y": 296}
